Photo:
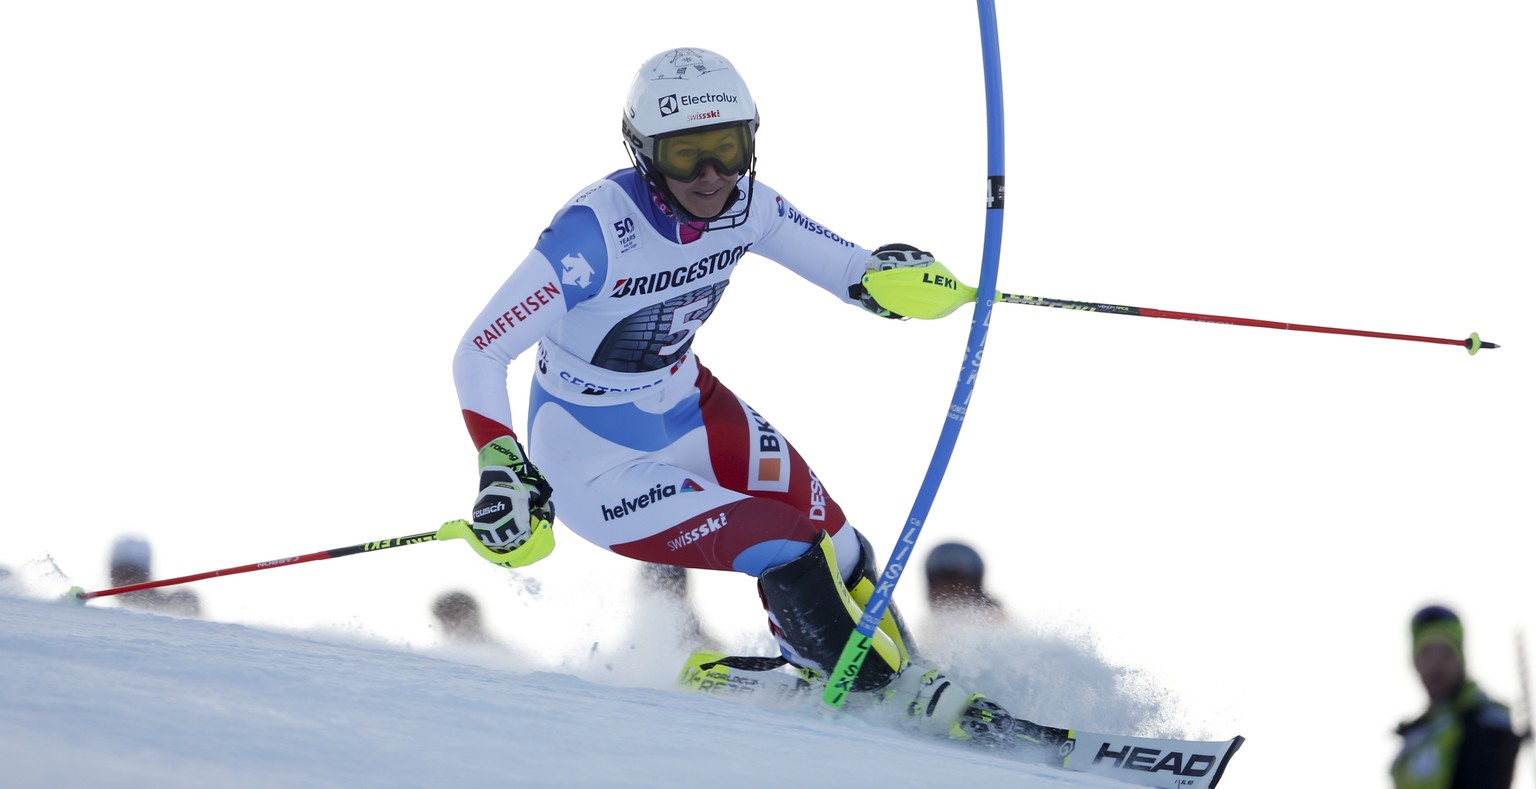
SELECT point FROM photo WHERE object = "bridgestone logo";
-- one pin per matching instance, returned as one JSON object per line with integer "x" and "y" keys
{"x": 682, "y": 275}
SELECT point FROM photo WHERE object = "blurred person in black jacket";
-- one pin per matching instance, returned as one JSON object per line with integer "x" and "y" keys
{"x": 1464, "y": 740}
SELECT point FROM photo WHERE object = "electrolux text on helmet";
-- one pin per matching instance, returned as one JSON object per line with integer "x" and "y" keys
{"x": 671, "y": 102}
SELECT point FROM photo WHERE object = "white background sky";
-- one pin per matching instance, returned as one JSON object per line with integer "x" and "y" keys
{"x": 241, "y": 241}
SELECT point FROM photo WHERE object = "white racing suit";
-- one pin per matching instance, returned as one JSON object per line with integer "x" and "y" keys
{"x": 648, "y": 454}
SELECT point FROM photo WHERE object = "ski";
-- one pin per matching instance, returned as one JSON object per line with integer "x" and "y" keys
{"x": 1143, "y": 761}
{"x": 1147, "y": 761}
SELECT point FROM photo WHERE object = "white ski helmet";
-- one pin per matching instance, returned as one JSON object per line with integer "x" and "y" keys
{"x": 683, "y": 92}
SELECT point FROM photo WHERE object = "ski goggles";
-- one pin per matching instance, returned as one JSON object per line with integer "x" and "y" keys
{"x": 683, "y": 156}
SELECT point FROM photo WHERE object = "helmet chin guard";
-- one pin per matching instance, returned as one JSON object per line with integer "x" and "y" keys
{"x": 683, "y": 91}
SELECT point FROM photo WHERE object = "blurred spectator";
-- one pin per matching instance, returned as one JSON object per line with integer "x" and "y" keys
{"x": 130, "y": 565}
{"x": 955, "y": 584}
{"x": 671, "y": 583}
{"x": 459, "y": 616}
{"x": 1464, "y": 740}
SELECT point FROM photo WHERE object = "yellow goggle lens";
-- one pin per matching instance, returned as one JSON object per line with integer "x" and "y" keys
{"x": 683, "y": 156}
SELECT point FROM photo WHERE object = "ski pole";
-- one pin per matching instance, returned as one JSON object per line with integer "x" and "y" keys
{"x": 933, "y": 293}
{"x": 449, "y": 530}
{"x": 1473, "y": 343}
{"x": 857, "y": 649}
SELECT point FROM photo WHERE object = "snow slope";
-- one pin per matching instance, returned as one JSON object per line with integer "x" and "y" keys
{"x": 107, "y": 697}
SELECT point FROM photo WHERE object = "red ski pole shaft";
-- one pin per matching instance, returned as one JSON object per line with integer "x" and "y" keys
{"x": 367, "y": 547}
{"x": 1473, "y": 344}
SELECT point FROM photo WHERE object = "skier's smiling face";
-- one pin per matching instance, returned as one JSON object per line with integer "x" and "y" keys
{"x": 701, "y": 167}
{"x": 707, "y": 194}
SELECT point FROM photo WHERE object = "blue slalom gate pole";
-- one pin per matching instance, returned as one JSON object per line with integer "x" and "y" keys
{"x": 857, "y": 648}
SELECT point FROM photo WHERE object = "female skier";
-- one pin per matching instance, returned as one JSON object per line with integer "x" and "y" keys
{"x": 644, "y": 451}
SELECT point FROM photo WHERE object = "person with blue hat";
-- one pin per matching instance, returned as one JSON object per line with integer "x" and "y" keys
{"x": 955, "y": 573}
{"x": 129, "y": 565}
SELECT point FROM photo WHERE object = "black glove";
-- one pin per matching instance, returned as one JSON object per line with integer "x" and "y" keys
{"x": 513, "y": 513}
